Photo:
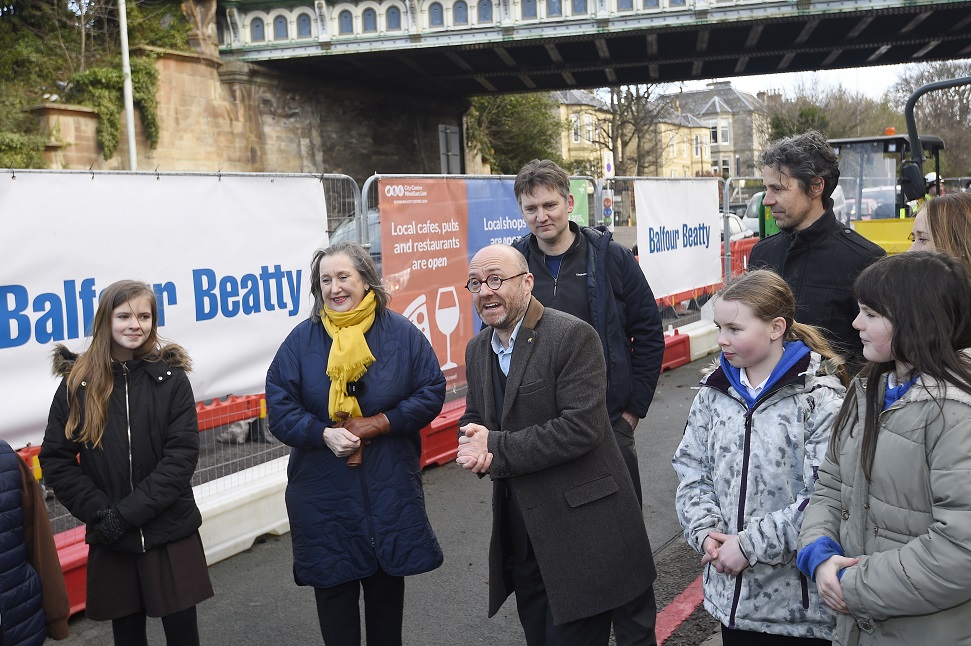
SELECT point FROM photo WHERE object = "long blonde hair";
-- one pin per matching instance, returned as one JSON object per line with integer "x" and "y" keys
{"x": 93, "y": 367}
{"x": 769, "y": 297}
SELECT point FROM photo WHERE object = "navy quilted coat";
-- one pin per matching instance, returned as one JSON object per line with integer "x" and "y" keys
{"x": 345, "y": 521}
{"x": 22, "y": 620}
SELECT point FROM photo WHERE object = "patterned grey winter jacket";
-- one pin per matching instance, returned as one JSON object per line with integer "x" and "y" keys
{"x": 751, "y": 472}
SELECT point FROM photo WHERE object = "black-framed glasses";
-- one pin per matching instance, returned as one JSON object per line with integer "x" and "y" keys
{"x": 494, "y": 282}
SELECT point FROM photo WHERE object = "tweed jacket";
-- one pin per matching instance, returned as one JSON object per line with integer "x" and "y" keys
{"x": 910, "y": 523}
{"x": 554, "y": 449}
{"x": 750, "y": 471}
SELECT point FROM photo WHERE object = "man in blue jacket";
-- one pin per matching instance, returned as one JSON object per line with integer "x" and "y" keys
{"x": 581, "y": 271}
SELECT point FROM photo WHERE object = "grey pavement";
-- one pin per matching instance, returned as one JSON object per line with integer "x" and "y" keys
{"x": 257, "y": 602}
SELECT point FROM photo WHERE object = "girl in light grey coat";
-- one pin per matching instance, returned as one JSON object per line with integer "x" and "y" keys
{"x": 756, "y": 433}
{"x": 888, "y": 530}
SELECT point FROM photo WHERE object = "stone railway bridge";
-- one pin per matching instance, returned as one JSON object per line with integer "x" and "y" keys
{"x": 365, "y": 86}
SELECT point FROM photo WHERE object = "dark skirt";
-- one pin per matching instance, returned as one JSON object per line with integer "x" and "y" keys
{"x": 167, "y": 579}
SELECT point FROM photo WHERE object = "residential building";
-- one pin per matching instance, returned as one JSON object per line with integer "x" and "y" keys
{"x": 585, "y": 133}
{"x": 737, "y": 123}
{"x": 680, "y": 147}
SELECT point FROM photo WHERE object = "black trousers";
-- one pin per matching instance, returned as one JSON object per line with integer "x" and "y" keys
{"x": 339, "y": 612}
{"x": 181, "y": 629}
{"x": 537, "y": 619}
{"x": 748, "y": 638}
{"x": 634, "y": 622}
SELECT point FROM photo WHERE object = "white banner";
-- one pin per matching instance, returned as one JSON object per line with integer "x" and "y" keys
{"x": 228, "y": 256}
{"x": 678, "y": 233}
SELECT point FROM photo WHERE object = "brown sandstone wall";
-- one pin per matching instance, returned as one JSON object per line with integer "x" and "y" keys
{"x": 237, "y": 117}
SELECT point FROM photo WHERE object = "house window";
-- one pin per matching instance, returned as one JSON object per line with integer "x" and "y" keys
{"x": 529, "y": 9}
{"x": 435, "y": 15}
{"x": 625, "y": 5}
{"x": 724, "y": 133}
{"x": 588, "y": 128}
{"x": 393, "y": 18}
{"x": 256, "y": 30}
{"x": 554, "y": 8}
{"x": 579, "y": 7}
{"x": 726, "y": 170}
{"x": 575, "y": 126}
{"x": 713, "y": 131}
{"x": 697, "y": 146}
{"x": 485, "y": 12}
{"x": 346, "y": 22}
{"x": 303, "y": 26}
{"x": 460, "y": 13}
{"x": 651, "y": 4}
{"x": 370, "y": 21}
{"x": 672, "y": 148}
{"x": 220, "y": 32}
{"x": 677, "y": 3}
{"x": 280, "y": 28}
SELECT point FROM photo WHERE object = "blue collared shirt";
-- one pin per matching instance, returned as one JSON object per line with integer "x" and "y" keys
{"x": 505, "y": 354}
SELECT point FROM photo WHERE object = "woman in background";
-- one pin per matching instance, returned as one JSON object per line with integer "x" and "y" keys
{"x": 944, "y": 224}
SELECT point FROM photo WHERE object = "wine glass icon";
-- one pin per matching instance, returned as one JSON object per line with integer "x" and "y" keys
{"x": 447, "y": 319}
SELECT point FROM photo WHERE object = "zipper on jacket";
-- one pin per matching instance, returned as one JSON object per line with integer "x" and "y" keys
{"x": 367, "y": 510}
{"x": 743, "y": 480}
{"x": 740, "y": 517}
{"x": 131, "y": 458}
{"x": 556, "y": 278}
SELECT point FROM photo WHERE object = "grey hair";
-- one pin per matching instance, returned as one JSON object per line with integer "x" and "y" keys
{"x": 362, "y": 262}
{"x": 805, "y": 157}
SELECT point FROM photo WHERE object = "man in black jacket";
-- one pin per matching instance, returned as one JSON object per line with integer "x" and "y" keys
{"x": 819, "y": 257}
{"x": 581, "y": 271}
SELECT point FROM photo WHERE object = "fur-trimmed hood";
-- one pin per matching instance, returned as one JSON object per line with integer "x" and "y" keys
{"x": 173, "y": 355}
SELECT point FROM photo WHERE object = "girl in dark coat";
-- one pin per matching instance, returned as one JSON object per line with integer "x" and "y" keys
{"x": 350, "y": 390}
{"x": 119, "y": 452}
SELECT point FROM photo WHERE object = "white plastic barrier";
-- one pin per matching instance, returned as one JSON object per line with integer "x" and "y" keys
{"x": 239, "y": 508}
{"x": 704, "y": 338}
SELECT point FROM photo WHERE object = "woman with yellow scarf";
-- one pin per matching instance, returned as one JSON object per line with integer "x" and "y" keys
{"x": 350, "y": 390}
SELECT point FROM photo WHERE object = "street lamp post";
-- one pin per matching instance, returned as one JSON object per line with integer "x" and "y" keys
{"x": 127, "y": 89}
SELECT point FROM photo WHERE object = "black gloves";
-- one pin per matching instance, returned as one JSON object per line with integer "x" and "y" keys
{"x": 109, "y": 526}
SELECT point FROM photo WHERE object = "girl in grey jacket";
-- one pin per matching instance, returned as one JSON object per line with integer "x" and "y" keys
{"x": 888, "y": 530}
{"x": 756, "y": 433}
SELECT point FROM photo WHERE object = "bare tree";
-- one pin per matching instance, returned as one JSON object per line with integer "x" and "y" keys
{"x": 835, "y": 112}
{"x": 632, "y": 135}
{"x": 945, "y": 113}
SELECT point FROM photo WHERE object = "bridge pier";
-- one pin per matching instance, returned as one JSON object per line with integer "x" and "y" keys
{"x": 233, "y": 116}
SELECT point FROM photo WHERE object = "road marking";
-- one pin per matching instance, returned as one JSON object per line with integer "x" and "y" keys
{"x": 678, "y": 610}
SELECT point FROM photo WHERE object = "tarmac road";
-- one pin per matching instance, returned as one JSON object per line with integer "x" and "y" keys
{"x": 257, "y": 602}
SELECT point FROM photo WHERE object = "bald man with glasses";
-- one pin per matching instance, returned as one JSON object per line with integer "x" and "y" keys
{"x": 567, "y": 532}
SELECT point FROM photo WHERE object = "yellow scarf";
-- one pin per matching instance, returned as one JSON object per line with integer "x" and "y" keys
{"x": 349, "y": 355}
